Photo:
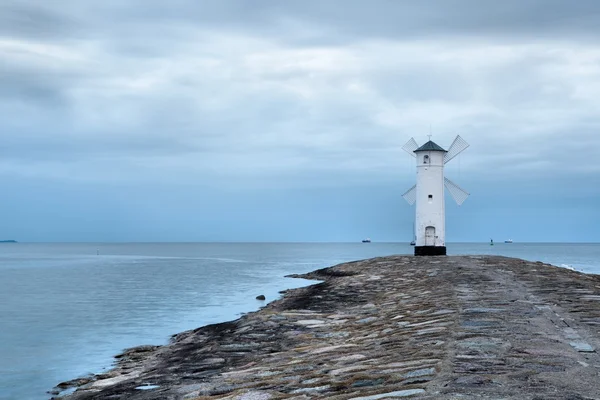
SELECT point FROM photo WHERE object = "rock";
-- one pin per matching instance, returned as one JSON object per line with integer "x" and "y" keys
{"x": 419, "y": 372}
{"x": 261, "y": 297}
{"x": 485, "y": 332}
{"x": 367, "y": 383}
{"x": 582, "y": 347}
{"x": 74, "y": 383}
{"x": 138, "y": 352}
{"x": 311, "y": 390}
{"x": 471, "y": 380}
{"x": 399, "y": 393}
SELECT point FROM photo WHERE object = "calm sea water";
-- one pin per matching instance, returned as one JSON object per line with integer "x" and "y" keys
{"x": 67, "y": 309}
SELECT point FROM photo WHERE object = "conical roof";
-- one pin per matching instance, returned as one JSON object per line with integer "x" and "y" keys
{"x": 430, "y": 146}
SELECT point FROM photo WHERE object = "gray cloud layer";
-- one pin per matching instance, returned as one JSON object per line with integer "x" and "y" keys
{"x": 351, "y": 19}
{"x": 298, "y": 94}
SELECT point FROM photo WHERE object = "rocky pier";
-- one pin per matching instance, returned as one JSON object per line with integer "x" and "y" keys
{"x": 459, "y": 327}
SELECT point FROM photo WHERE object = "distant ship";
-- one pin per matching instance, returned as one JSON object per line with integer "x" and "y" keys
{"x": 8, "y": 241}
{"x": 508, "y": 241}
{"x": 367, "y": 240}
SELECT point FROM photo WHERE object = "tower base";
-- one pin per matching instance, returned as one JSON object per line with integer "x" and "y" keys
{"x": 430, "y": 250}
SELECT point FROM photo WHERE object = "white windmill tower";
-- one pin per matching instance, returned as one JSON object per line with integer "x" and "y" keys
{"x": 428, "y": 193}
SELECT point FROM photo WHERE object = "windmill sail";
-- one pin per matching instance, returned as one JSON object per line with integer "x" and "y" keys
{"x": 458, "y": 145}
{"x": 411, "y": 195}
{"x": 410, "y": 147}
{"x": 458, "y": 194}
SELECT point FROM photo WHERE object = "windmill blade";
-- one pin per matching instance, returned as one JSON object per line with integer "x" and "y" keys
{"x": 458, "y": 194}
{"x": 411, "y": 195}
{"x": 457, "y": 147}
{"x": 410, "y": 147}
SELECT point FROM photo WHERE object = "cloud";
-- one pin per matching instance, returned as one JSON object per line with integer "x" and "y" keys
{"x": 297, "y": 94}
{"x": 31, "y": 19}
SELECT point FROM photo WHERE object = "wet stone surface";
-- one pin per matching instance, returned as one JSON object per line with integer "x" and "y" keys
{"x": 393, "y": 327}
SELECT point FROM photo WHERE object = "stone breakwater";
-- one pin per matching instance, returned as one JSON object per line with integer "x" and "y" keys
{"x": 393, "y": 327}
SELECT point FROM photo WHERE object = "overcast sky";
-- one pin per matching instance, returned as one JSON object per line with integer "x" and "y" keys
{"x": 231, "y": 120}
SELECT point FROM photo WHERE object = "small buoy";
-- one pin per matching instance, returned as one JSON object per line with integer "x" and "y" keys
{"x": 260, "y": 297}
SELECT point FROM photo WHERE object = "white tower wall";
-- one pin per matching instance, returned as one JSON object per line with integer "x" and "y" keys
{"x": 430, "y": 221}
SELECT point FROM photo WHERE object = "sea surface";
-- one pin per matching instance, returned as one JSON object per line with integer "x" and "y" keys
{"x": 67, "y": 309}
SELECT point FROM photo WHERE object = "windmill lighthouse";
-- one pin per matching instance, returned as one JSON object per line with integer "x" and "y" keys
{"x": 428, "y": 193}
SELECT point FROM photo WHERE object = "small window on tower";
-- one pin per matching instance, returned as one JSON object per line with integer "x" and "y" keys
{"x": 430, "y": 196}
{"x": 425, "y": 159}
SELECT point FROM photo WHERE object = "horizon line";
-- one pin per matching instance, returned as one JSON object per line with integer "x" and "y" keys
{"x": 276, "y": 242}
